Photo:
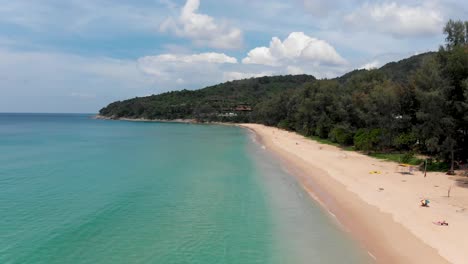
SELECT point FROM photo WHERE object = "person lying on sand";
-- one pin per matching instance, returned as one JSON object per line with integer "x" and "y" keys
{"x": 441, "y": 223}
{"x": 425, "y": 203}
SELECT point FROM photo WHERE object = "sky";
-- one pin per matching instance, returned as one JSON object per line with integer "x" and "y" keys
{"x": 76, "y": 56}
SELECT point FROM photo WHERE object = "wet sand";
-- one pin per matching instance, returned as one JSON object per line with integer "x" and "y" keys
{"x": 375, "y": 202}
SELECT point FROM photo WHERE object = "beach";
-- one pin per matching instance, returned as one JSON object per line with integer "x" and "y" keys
{"x": 376, "y": 202}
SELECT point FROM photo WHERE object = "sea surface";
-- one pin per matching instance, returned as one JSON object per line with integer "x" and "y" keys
{"x": 78, "y": 190}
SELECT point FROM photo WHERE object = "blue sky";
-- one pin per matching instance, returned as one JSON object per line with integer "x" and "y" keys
{"x": 80, "y": 55}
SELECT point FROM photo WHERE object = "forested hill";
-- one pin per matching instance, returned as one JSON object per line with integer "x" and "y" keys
{"x": 238, "y": 100}
{"x": 398, "y": 72}
{"x": 418, "y": 104}
{"x": 212, "y": 103}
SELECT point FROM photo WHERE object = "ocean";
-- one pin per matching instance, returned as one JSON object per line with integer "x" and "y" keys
{"x": 78, "y": 190}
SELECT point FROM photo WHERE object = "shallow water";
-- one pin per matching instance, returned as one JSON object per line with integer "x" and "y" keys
{"x": 78, "y": 190}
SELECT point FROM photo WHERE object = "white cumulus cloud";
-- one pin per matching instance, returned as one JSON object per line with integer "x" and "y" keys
{"x": 397, "y": 19}
{"x": 296, "y": 48}
{"x": 202, "y": 29}
{"x": 261, "y": 55}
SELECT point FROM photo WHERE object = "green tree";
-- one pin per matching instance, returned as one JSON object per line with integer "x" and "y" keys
{"x": 455, "y": 33}
{"x": 367, "y": 139}
{"x": 434, "y": 121}
{"x": 453, "y": 59}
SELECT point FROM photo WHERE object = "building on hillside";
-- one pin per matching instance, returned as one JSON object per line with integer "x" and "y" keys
{"x": 243, "y": 108}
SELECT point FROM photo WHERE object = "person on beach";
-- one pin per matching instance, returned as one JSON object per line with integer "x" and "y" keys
{"x": 441, "y": 223}
{"x": 425, "y": 203}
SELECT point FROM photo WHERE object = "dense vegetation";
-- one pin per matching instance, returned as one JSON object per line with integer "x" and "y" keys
{"x": 419, "y": 104}
{"x": 215, "y": 103}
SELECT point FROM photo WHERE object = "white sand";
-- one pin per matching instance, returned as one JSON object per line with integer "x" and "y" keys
{"x": 382, "y": 211}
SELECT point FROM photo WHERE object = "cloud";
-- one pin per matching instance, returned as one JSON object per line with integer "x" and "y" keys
{"x": 209, "y": 57}
{"x": 294, "y": 70}
{"x": 193, "y": 71}
{"x": 68, "y": 17}
{"x": 202, "y": 29}
{"x": 48, "y": 32}
{"x": 397, "y": 19}
{"x": 199, "y": 70}
{"x": 231, "y": 76}
{"x": 165, "y": 65}
{"x": 74, "y": 83}
{"x": 66, "y": 82}
{"x": 297, "y": 47}
{"x": 297, "y": 54}
{"x": 261, "y": 55}
{"x": 370, "y": 65}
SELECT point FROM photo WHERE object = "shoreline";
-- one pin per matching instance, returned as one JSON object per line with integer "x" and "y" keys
{"x": 380, "y": 211}
{"x": 175, "y": 121}
{"x": 183, "y": 121}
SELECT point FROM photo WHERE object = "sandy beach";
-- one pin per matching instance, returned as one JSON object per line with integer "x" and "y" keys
{"x": 376, "y": 203}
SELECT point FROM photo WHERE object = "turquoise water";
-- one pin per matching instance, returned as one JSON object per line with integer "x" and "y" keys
{"x": 78, "y": 190}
